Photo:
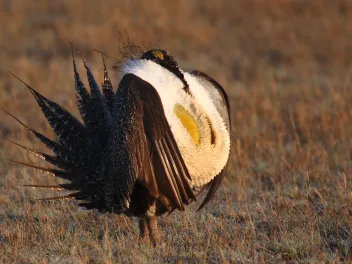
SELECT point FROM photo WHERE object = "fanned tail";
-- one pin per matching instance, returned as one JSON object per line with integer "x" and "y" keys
{"x": 78, "y": 151}
{"x": 54, "y": 172}
{"x": 93, "y": 107}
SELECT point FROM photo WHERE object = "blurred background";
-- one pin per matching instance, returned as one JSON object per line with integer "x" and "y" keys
{"x": 248, "y": 46}
{"x": 285, "y": 64}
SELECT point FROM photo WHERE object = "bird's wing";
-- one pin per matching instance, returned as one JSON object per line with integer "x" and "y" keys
{"x": 219, "y": 96}
{"x": 222, "y": 104}
{"x": 169, "y": 176}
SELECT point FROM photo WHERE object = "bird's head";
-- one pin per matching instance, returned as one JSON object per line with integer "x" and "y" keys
{"x": 158, "y": 55}
{"x": 164, "y": 59}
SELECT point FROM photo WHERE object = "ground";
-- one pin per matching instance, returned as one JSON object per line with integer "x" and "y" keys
{"x": 286, "y": 66}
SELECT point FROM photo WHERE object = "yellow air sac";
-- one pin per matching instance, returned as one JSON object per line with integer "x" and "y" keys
{"x": 188, "y": 122}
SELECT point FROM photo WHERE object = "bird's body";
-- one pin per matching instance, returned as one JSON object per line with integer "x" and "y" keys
{"x": 149, "y": 148}
{"x": 204, "y": 157}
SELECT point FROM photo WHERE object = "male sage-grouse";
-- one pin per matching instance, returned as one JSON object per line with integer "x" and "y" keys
{"x": 148, "y": 148}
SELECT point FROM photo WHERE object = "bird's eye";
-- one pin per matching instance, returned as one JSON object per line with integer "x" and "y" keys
{"x": 158, "y": 55}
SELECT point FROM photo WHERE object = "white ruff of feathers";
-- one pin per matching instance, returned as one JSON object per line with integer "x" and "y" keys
{"x": 205, "y": 160}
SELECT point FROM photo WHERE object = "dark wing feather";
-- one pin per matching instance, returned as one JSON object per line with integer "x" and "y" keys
{"x": 126, "y": 157}
{"x": 220, "y": 96}
{"x": 170, "y": 171}
{"x": 223, "y": 106}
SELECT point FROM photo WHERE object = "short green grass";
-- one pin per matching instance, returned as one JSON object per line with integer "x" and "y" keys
{"x": 286, "y": 66}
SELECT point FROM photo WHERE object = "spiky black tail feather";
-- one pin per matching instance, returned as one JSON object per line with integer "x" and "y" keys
{"x": 78, "y": 152}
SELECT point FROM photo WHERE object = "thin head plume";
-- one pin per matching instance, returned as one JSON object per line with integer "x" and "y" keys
{"x": 158, "y": 44}
{"x": 104, "y": 54}
{"x": 127, "y": 45}
{"x": 145, "y": 47}
{"x": 127, "y": 49}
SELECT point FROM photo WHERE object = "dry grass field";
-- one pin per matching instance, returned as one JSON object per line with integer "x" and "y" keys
{"x": 287, "y": 67}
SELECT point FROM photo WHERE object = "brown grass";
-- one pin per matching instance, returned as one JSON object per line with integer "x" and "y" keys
{"x": 286, "y": 66}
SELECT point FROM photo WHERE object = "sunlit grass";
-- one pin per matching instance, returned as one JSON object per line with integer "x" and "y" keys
{"x": 286, "y": 68}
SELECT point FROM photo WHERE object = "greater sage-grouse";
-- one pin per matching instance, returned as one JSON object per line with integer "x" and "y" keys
{"x": 148, "y": 148}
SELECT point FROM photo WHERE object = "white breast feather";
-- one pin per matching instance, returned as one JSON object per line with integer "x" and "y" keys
{"x": 205, "y": 160}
